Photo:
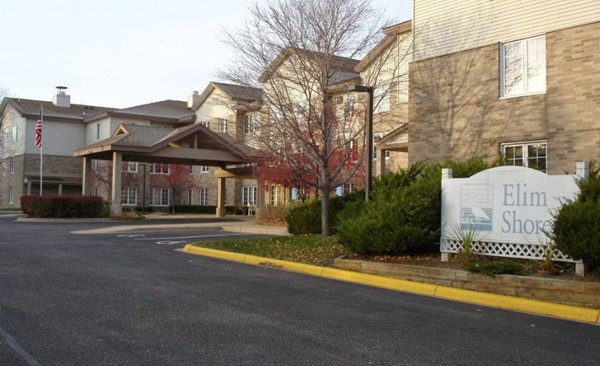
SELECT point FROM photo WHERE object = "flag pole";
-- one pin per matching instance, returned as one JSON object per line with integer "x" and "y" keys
{"x": 41, "y": 152}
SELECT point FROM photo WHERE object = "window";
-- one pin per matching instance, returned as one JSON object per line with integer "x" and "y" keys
{"x": 376, "y": 137}
{"x": 96, "y": 191}
{"x": 132, "y": 167}
{"x": 159, "y": 168}
{"x": 249, "y": 195}
{"x": 11, "y": 194}
{"x": 523, "y": 67}
{"x": 187, "y": 197}
{"x": 204, "y": 169}
{"x": 250, "y": 123}
{"x": 11, "y": 164}
{"x": 160, "y": 196}
{"x": 95, "y": 165}
{"x": 203, "y": 196}
{"x": 97, "y": 131}
{"x": 223, "y": 125}
{"x": 205, "y": 124}
{"x": 190, "y": 169}
{"x": 381, "y": 99}
{"x": 351, "y": 150}
{"x": 529, "y": 154}
{"x": 276, "y": 197}
{"x": 129, "y": 196}
{"x": 337, "y": 99}
{"x": 14, "y": 133}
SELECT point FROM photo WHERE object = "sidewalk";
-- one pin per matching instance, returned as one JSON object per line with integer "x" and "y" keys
{"x": 238, "y": 224}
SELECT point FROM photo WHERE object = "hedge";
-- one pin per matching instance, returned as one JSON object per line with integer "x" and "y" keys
{"x": 53, "y": 206}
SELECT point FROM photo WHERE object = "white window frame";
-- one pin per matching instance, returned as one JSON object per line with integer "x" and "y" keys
{"x": 95, "y": 165}
{"x": 525, "y": 158}
{"x": 132, "y": 167}
{"x": 11, "y": 195}
{"x": 204, "y": 196}
{"x": 159, "y": 168}
{"x": 250, "y": 123}
{"x": 223, "y": 124}
{"x": 204, "y": 169}
{"x": 129, "y": 196}
{"x": 205, "y": 124}
{"x": 11, "y": 164}
{"x": 249, "y": 195}
{"x": 158, "y": 196}
{"x": 187, "y": 198}
{"x": 526, "y": 90}
{"x": 376, "y": 137}
{"x": 14, "y": 133}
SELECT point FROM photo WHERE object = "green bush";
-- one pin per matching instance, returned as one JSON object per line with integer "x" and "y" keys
{"x": 404, "y": 214}
{"x": 53, "y": 206}
{"x": 305, "y": 217}
{"x": 577, "y": 231}
{"x": 492, "y": 268}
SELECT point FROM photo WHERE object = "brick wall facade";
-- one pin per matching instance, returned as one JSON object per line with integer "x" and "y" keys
{"x": 456, "y": 111}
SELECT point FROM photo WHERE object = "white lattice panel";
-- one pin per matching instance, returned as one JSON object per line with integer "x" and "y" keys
{"x": 508, "y": 250}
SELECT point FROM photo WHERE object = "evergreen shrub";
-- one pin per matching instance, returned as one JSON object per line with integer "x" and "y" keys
{"x": 404, "y": 213}
{"x": 576, "y": 229}
{"x": 305, "y": 217}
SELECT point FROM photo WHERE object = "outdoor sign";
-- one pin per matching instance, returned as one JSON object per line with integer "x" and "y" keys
{"x": 508, "y": 204}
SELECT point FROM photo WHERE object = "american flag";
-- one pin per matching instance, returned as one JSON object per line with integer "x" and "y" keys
{"x": 38, "y": 134}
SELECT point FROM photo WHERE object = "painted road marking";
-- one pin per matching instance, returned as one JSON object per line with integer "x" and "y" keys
{"x": 169, "y": 242}
{"x": 15, "y": 346}
{"x": 130, "y": 235}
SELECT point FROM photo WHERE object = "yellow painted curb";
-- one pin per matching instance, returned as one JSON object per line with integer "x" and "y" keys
{"x": 449, "y": 293}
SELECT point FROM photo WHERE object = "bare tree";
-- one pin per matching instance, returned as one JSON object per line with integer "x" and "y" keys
{"x": 303, "y": 53}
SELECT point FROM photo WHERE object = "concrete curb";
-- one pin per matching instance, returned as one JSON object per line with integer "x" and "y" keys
{"x": 567, "y": 312}
{"x": 186, "y": 227}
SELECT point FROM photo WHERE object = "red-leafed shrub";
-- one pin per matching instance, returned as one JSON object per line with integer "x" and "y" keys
{"x": 53, "y": 206}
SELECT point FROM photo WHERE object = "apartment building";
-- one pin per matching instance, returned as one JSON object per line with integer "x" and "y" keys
{"x": 64, "y": 131}
{"x": 386, "y": 69}
{"x": 512, "y": 80}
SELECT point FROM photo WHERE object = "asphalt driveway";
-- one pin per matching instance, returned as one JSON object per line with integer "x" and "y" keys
{"x": 112, "y": 300}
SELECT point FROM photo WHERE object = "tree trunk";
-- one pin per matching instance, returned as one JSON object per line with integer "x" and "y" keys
{"x": 325, "y": 219}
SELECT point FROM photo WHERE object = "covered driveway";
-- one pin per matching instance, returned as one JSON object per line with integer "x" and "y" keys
{"x": 188, "y": 145}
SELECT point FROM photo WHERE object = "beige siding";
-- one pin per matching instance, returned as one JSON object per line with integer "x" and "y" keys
{"x": 446, "y": 26}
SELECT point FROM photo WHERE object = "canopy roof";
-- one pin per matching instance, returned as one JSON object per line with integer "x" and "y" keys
{"x": 189, "y": 145}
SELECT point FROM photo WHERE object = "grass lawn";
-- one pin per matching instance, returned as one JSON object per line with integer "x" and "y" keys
{"x": 311, "y": 249}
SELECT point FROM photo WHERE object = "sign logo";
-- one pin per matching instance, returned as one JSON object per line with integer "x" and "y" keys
{"x": 477, "y": 207}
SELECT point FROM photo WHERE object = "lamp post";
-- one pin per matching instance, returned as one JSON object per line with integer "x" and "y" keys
{"x": 368, "y": 136}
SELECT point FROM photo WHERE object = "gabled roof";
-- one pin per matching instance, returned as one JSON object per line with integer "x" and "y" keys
{"x": 391, "y": 34}
{"x": 170, "y": 111}
{"x": 148, "y": 143}
{"x": 343, "y": 67}
{"x": 29, "y": 108}
{"x": 237, "y": 93}
{"x": 395, "y": 140}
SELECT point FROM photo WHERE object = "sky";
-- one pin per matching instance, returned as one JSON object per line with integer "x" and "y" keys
{"x": 121, "y": 53}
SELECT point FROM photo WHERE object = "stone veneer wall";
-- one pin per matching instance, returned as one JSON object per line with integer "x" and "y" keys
{"x": 456, "y": 112}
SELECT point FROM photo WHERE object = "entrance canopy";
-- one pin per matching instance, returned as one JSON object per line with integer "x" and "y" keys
{"x": 188, "y": 145}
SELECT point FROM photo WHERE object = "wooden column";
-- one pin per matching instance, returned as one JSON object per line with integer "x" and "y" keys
{"x": 115, "y": 208}
{"x": 380, "y": 169}
{"x": 221, "y": 190}
{"x": 86, "y": 180}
